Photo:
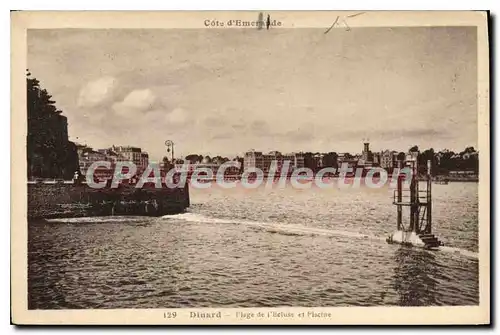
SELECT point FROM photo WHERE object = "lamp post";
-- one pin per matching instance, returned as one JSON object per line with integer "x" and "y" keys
{"x": 170, "y": 148}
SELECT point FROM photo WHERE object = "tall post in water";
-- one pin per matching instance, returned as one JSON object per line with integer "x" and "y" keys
{"x": 414, "y": 194}
{"x": 416, "y": 212}
{"x": 424, "y": 234}
{"x": 428, "y": 227}
{"x": 400, "y": 195}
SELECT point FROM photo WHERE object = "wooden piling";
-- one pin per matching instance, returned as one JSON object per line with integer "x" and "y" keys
{"x": 428, "y": 227}
{"x": 400, "y": 198}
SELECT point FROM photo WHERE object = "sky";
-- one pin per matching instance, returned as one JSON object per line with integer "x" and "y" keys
{"x": 226, "y": 91}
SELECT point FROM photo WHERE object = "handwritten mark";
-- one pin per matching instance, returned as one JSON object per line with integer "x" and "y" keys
{"x": 343, "y": 20}
{"x": 260, "y": 21}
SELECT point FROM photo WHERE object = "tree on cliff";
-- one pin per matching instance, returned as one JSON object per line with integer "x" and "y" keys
{"x": 49, "y": 153}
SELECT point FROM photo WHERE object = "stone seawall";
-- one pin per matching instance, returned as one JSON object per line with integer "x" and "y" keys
{"x": 65, "y": 199}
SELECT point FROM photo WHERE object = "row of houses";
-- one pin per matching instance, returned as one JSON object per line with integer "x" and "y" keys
{"x": 386, "y": 159}
{"x": 257, "y": 159}
{"x": 87, "y": 156}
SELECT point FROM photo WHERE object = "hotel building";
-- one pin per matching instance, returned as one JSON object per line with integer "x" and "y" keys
{"x": 257, "y": 159}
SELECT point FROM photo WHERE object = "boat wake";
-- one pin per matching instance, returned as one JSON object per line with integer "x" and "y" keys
{"x": 298, "y": 230}
{"x": 463, "y": 252}
{"x": 272, "y": 227}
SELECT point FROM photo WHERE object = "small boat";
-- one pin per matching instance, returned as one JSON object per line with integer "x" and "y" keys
{"x": 441, "y": 181}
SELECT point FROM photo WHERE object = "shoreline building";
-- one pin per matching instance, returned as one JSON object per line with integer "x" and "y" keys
{"x": 366, "y": 158}
{"x": 388, "y": 159}
{"x": 144, "y": 160}
{"x": 132, "y": 154}
{"x": 257, "y": 159}
{"x": 112, "y": 156}
{"x": 87, "y": 156}
{"x": 203, "y": 166}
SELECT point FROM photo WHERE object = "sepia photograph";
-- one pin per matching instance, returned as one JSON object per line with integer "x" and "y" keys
{"x": 250, "y": 167}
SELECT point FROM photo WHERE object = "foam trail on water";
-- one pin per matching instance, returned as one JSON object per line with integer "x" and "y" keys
{"x": 290, "y": 229}
{"x": 286, "y": 229}
{"x": 463, "y": 252}
{"x": 100, "y": 219}
{"x": 196, "y": 218}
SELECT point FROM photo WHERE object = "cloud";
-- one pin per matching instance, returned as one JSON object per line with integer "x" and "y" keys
{"x": 238, "y": 126}
{"x": 96, "y": 92}
{"x": 304, "y": 133}
{"x": 177, "y": 117}
{"x": 161, "y": 118}
{"x": 260, "y": 128}
{"x": 222, "y": 136}
{"x": 214, "y": 121}
{"x": 139, "y": 99}
{"x": 136, "y": 101}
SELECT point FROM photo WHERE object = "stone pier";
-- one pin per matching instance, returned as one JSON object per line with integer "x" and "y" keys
{"x": 68, "y": 199}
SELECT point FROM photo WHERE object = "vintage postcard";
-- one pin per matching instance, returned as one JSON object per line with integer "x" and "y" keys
{"x": 251, "y": 167}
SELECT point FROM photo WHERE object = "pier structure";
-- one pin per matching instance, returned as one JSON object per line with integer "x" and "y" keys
{"x": 417, "y": 197}
{"x": 70, "y": 199}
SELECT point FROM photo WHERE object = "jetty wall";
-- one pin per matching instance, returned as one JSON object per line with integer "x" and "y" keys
{"x": 68, "y": 199}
